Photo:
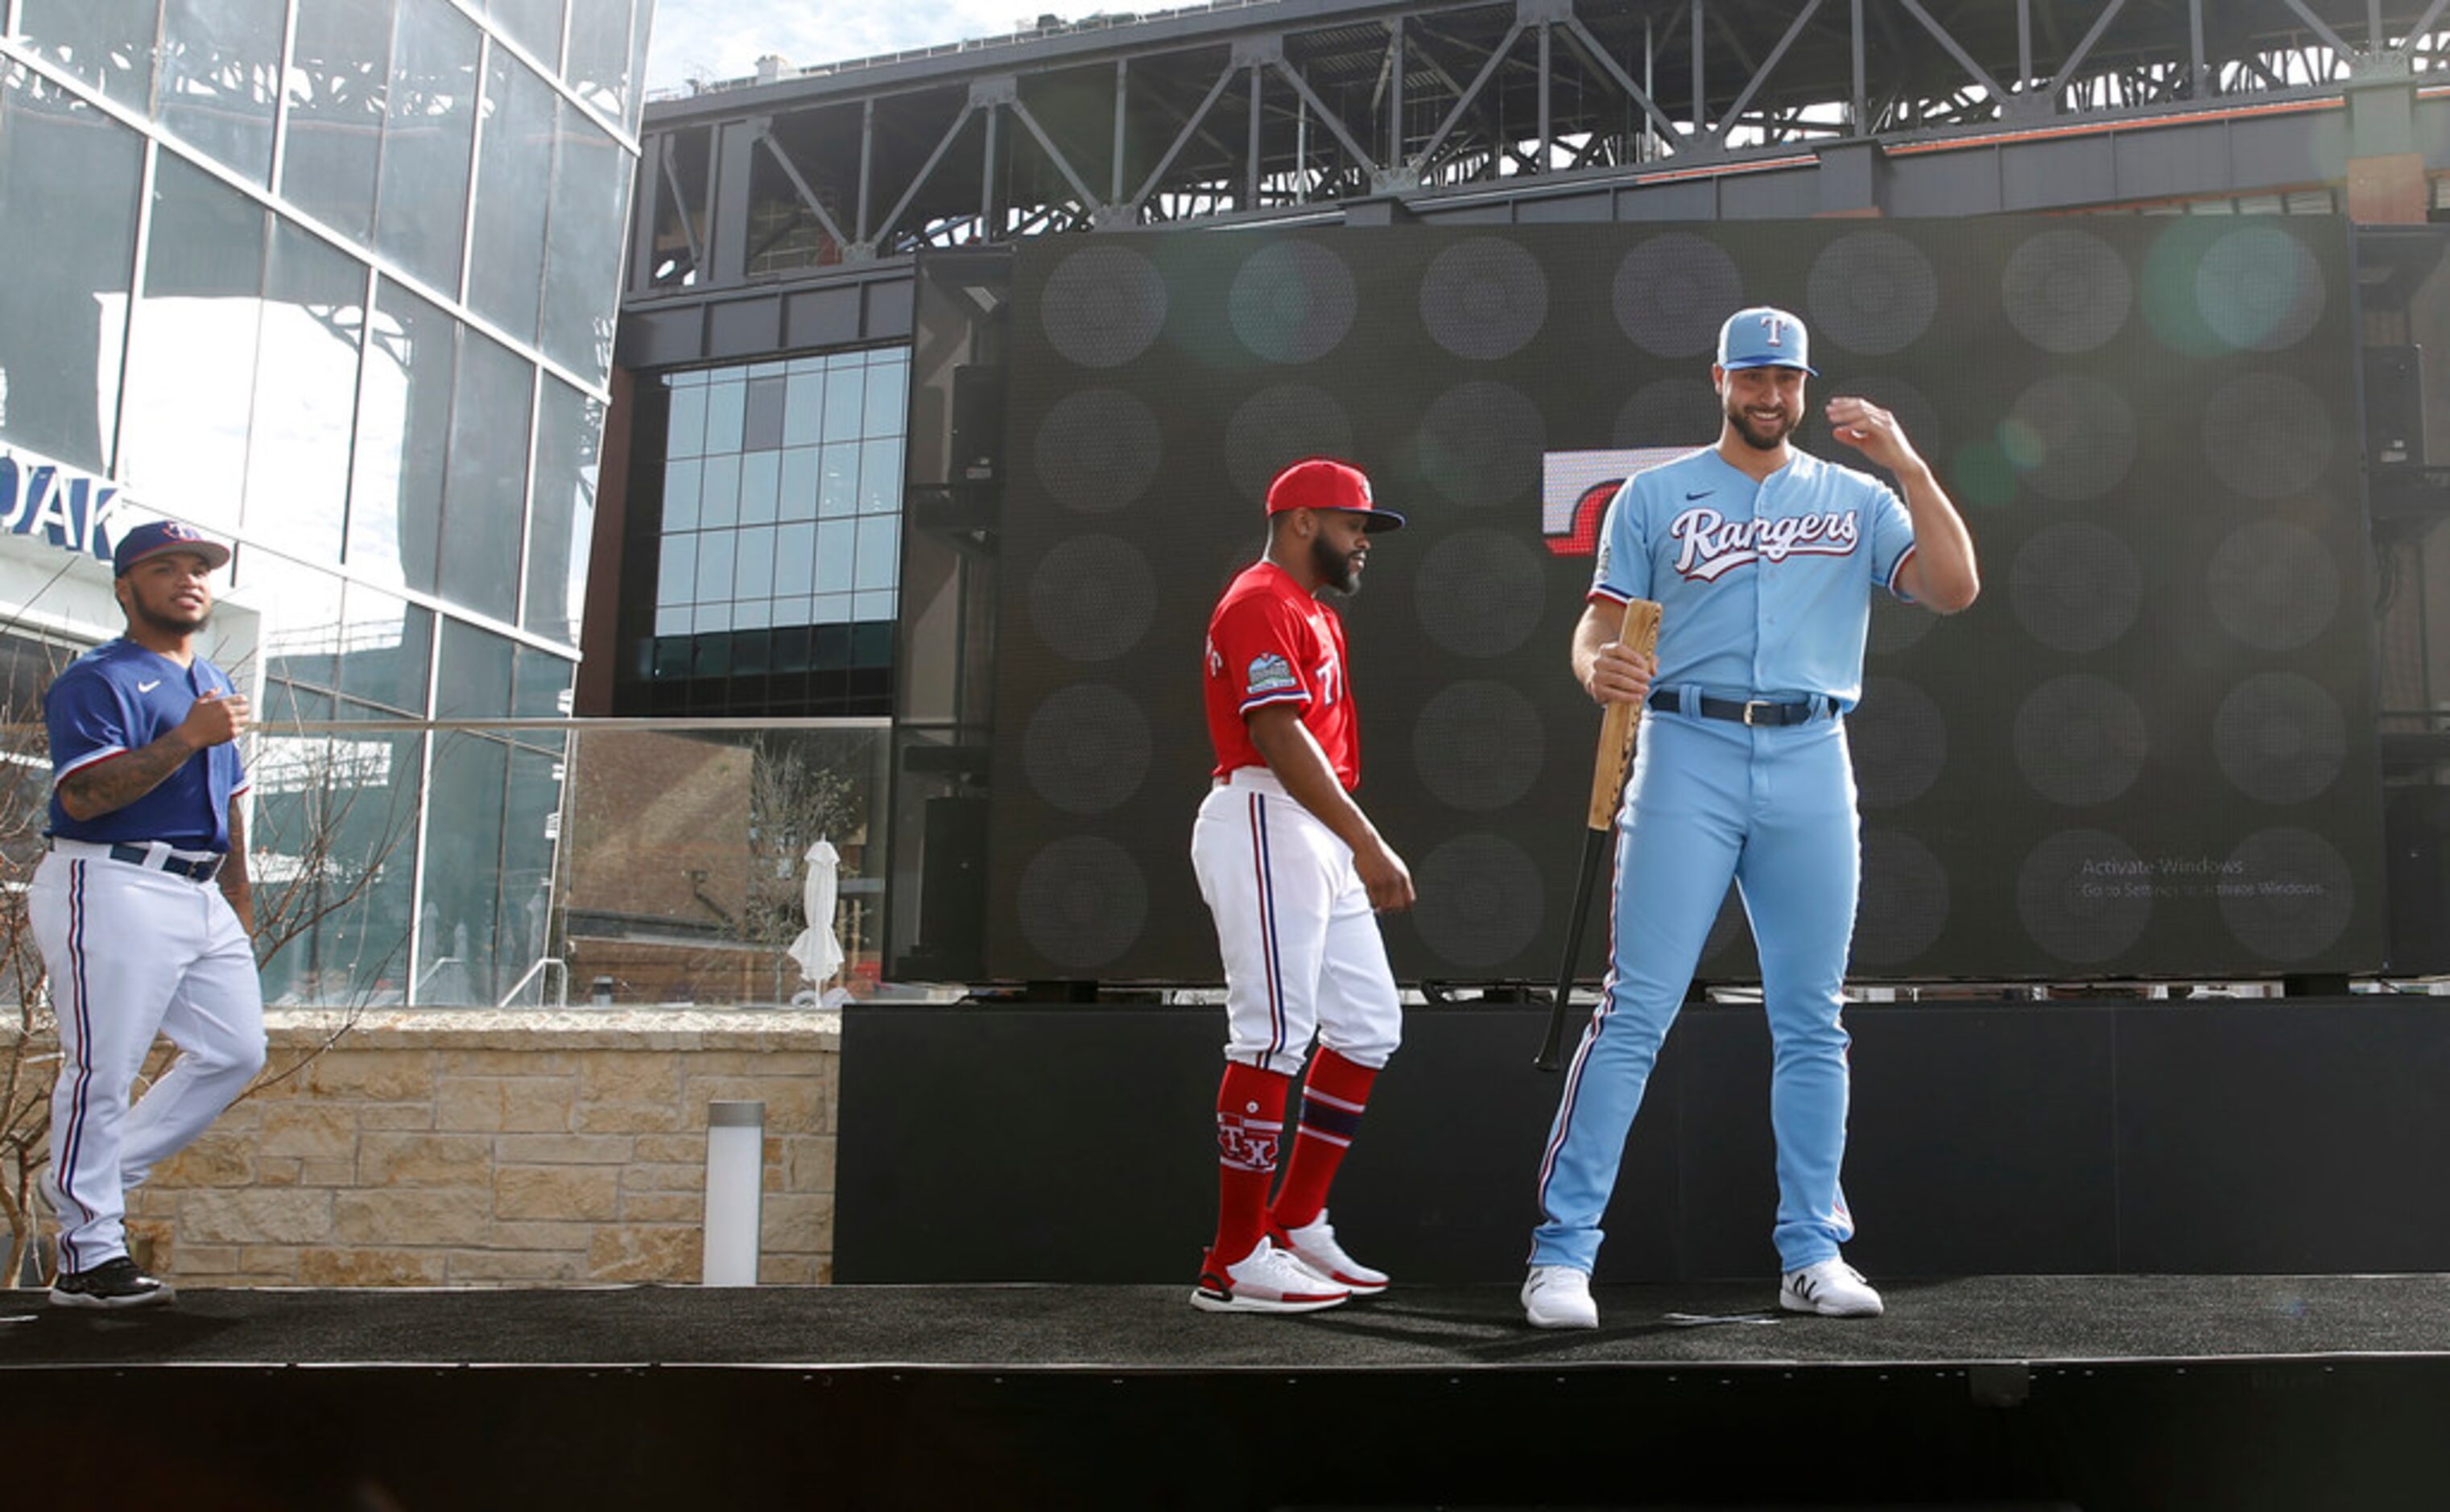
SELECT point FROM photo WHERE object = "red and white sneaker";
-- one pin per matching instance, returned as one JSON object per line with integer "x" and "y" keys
{"x": 1266, "y": 1280}
{"x": 1313, "y": 1243}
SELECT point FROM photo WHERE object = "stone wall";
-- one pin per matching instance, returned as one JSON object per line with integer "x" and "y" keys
{"x": 447, "y": 1148}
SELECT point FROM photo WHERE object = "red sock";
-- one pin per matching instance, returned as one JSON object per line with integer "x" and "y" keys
{"x": 1250, "y": 1126}
{"x": 1333, "y": 1099}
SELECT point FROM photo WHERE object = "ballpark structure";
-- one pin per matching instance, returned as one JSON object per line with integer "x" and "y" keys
{"x": 333, "y": 280}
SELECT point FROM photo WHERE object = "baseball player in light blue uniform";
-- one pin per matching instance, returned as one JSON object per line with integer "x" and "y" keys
{"x": 1763, "y": 561}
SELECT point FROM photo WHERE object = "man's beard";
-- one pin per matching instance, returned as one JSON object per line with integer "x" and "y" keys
{"x": 1336, "y": 569}
{"x": 1744, "y": 424}
{"x": 170, "y": 623}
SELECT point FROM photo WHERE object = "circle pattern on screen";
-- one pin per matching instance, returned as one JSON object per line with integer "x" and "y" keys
{"x": 1091, "y": 598}
{"x": 1280, "y": 425}
{"x": 1899, "y": 740}
{"x": 1098, "y": 450}
{"x": 1872, "y": 293}
{"x": 2267, "y": 436}
{"x": 1915, "y": 415}
{"x": 2070, "y": 437}
{"x": 2076, "y": 587}
{"x": 1481, "y": 901}
{"x": 1103, "y": 307}
{"x": 1670, "y": 412}
{"x": 1673, "y": 292}
{"x": 2067, "y": 292}
{"x": 2083, "y": 896}
{"x": 1903, "y": 907}
{"x": 1294, "y": 302}
{"x": 1897, "y": 624}
{"x": 1484, "y": 298}
{"x": 2273, "y": 586}
{"x": 1086, "y": 748}
{"x": 2260, "y": 288}
{"x": 2281, "y": 738}
{"x": 1480, "y": 593}
{"x": 1082, "y": 901}
{"x": 2289, "y": 895}
{"x": 1478, "y": 746}
{"x": 2081, "y": 739}
{"x": 1481, "y": 444}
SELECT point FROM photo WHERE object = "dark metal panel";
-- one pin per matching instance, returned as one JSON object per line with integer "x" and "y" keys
{"x": 2043, "y": 175}
{"x": 1677, "y": 200}
{"x": 1961, "y": 183}
{"x": 889, "y": 308}
{"x": 1777, "y": 194}
{"x": 2173, "y": 161}
{"x": 653, "y": 338}
{"x": 745, "y": 327}
{"x": 1590, "y": 204}
{"x": 2267, "y": 152}
{"x": 828, "y": 316}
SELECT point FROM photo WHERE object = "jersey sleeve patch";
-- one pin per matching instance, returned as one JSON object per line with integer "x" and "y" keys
{"x": 1269, "y": 673}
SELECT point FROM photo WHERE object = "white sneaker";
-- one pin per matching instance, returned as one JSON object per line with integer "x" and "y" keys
{"x": 1830, "y": 1288}
{"x": 1559, "y": 1297}
{"x": 1313, "y": 1243}
{"x": 1266, "y": 1280}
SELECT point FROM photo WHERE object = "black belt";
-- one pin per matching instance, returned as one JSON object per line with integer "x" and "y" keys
{"x": 1748, "y": 711}
{"x": 196, "y": 871}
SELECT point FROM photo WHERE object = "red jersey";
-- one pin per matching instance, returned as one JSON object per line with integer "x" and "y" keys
{"x": 1271, "y": 642}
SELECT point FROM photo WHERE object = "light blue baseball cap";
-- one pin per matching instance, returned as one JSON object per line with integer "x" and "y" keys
{"x": 1763, "y": 337}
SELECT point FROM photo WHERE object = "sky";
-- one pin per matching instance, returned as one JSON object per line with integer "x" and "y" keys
{"x": 722, "y": 39}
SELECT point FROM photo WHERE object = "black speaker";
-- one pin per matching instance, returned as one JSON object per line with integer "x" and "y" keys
{"x": 978, "y": 424}
{"x": 952, "y": 893}
{"x": 2395, "y": 406}
{"x": 2415, "y": 832}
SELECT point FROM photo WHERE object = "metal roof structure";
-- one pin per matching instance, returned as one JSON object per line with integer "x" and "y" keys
{"x": 1361, "y": 110}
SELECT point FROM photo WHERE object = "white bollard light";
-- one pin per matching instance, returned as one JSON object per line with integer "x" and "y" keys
{"x": 735, "y": 1168}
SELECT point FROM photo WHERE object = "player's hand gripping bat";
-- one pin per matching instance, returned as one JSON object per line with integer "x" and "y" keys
{"x": 1639, "y": 630}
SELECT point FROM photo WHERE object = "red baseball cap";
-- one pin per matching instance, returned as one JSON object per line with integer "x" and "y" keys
{"x": 1324, "y": 483}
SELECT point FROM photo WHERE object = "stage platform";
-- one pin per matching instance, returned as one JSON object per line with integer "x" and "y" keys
{"x": 2059, "y": 1391}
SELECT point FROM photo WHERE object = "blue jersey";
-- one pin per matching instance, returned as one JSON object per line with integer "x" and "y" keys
{"x": 1764, "y": 588}
{"x": 120, "y": 697}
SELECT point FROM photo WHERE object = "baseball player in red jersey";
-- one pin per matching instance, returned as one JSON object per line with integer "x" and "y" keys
{"x": 1294, "y": 871}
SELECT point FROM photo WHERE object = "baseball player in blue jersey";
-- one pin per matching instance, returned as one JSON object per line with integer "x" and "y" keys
{"x": 1763, "y": 560}
{"x": 141, "y": 907}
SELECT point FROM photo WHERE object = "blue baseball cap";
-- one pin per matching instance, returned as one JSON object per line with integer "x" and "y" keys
{"x": 1763, "y": 337}
{"x": 159, "y": 539}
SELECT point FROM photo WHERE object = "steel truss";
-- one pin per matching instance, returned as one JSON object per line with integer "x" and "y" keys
{"x": 1304, "y": 107}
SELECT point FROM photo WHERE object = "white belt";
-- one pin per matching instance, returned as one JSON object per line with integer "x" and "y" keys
{"x": 1257, "y": 779}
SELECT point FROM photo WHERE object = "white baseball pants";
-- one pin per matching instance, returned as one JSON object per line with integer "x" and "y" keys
{"x": 1302, "y": 951}
{"x": 133, "y": 952}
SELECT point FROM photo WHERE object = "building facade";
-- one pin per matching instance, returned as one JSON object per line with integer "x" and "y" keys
{"x": 334, "y": 280}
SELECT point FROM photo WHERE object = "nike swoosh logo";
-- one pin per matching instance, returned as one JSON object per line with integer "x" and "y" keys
{"x": 146, "y": 688}
{"x": 1701, "y": 493}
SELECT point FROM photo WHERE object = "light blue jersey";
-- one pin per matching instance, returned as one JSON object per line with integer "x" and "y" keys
{"x": 1764, "y": 588}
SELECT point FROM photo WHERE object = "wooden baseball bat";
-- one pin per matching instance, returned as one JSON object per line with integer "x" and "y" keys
{"x": 1640, "y": 630}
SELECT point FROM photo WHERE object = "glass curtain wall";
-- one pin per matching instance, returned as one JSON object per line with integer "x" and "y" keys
{"x": 335, "y": 280}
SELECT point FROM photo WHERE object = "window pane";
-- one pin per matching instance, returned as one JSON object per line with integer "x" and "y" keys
{"x": 760, "y": 476}
{"x": 531, "y": 819}
{"x": 838, "y": 491}
{"x": 681, "y": 483}
{"x": 191, "y": 358}
{"x": 600, "y": 56}
{"x": 762, "y": 423}
{"x": 474, "y": 678}
{"x": 880, "y": 477}
{"x": 463, "y": 862}
{"x": 831, "y": 608}
{"x": 714, "y": 617}
{"x": 752, "y": 614}
{"x": 429, "y": 123}
{"x": 880, "y": 553}
{"x": 71, "y": 178}
{"x": 221, "y": 69}
{"x": 869, "y": 608}
{"x": 686, "y": 434}
{"x": 672, "y": 620}
{"x": 726, "y": 403}
{"x": 719, "y": 494}
{"x": 845, "y": 401}
{"x": 715, "y": 550}
{"x": 485, "y": 493}
{"x": 388, "y": 645}
{"x": 403, "y": 435}
{"x": 803, "y": 408}
{"x": 513, "y": 180}
{"x": 889, "y": 385}
{"x": 570, "y": 428}
{"x": 796, "y": 497}
{"x": 303, "y": 631}
{"x": 343, "y": 811}
{"x": 676, "y": 570}
{"x": 795, "y": 561}
{"x": 752, "y": 567}
{"x": 535, "y": 24}
{"x": 305, "y": 385}
{"x": 837, "y": 546}
{"x": 591, "y": 204}
{"x": 105, "y": 42}
{"x": 340, "y": 64}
